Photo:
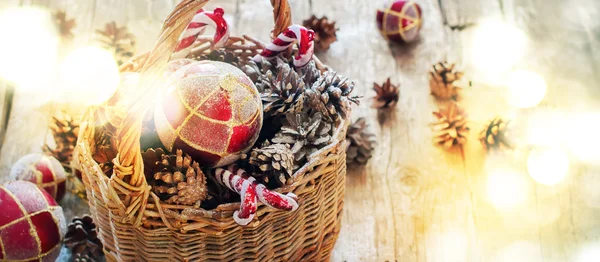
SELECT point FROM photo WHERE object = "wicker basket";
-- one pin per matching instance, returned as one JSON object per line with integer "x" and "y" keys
{"x": 122, "y": 202}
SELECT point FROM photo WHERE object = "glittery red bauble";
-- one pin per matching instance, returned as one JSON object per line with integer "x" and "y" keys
{"x": 42, "y": 170}
{"x": 210, "y": 110}
{"x": 32, "y": 224}
{"x": 401, "y": 21}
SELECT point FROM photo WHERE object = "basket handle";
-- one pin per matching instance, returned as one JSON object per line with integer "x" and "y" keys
{"x": 129, "y": 181}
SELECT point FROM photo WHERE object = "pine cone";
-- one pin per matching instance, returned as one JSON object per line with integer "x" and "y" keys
{"x": 387, "y": 95}
{"x": 221, "y": 55}
{"x": 273, "y": 161}
{"x": 444, "y": 81}
{"x": 257, "y": 71}
{"x": 118, "y": 40}
{"x": 283, "y": 93}
{"x": 452, "y": 126}
{"x": 330, "y": 95}
{"x": 325, "y": 32}
{"x": 305, "y": 134}
{"x": 65, "y": 131}
{"x": 493, "y": 136}
{"x": 177, "y": 179}
{"x": 360, "y": 143}
{"x": 64, "y": 25}
{"x": 82, "y": 238}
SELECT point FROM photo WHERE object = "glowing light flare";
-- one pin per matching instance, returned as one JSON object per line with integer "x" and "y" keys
{"x": 90, "y": 75}
{"x": 453, "y": 243}
{"x": 582, "y": 137}
{"x": 506, "y": 189}
{"x": 548, "y": 166}
{"x": 497, "y": 46}
{"x": 588, "y": 253}
{"x": 525, "y": 88}
{"x": 29, "y": 48}
{"x": 521, "y": 251}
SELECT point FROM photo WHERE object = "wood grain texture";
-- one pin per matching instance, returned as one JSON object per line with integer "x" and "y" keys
{"x": 413, "y": 201}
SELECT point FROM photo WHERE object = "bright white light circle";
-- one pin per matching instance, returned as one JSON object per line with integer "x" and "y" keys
{"x": 548, "y": 166}
{"x": 29, "y": 48}
{"x": 497, "y": 46}
{"x": 506, "y": 189}
{"x": 525, "y": 89}
{"x": 89, "y": 75}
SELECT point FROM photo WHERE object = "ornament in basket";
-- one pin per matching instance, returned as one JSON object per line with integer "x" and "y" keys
{"x": 246, "y": 159}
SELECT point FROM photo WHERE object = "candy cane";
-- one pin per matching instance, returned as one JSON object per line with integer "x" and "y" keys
{"x": 293, "y": 34}
{"x": 197, "y": 26}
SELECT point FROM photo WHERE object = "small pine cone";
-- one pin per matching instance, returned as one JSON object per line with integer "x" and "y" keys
{"x": 283, "y": 93}
{"x": 493, "y": 136}
{"x": 257, "y": 71}
{"x": 445, "y": 81}
{"x": 329, "y": 95}
{"x": 82, "y": 238}
{"x": 221, "y": 55}
{"x": 360, "y": 143}
{"x": 387, "y": 95}
{"x": 325, "y": 32}
{"x": 451, "y": 126}
{"x": 65, "y": 131}
{"x": 273, "y": 161}
{"x": 179, "y": 180}
{"x": 65, "y": 26}
{"x": 305, "y": 134}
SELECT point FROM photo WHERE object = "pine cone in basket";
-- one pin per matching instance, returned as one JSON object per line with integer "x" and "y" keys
{"x": 177, "y": 179}
{"x": 104, "y": 144}
{"x": 256, "y": 71}
{"x": 283, "y": 93}
{"x": 360, "y": 143}
{"x": 221, "y": 55}
{"x": 65, "y": 131}
{"x": 387, "y": 95}
{"x": 325, "y": 32}
{"x": 330, "y": 95}
{"x": 445, "y": 81}
{"x": 82, "y": 238}
{"x": 272, "y": 162}
{"x": 451, "y": 126}
{"x": 304, "y": 133}
{"x": 493, "y": 136}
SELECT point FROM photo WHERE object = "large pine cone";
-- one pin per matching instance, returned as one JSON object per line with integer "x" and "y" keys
{"x": 65, "y": 131}
{"x": 494, "y": 136}
{"x": 445, "y": 82}
{"x": 325, "y": 32}
{"x": 361, "y": 143}
{"x": 82, "y": 238}
{"x": 452, "y": 126}
{"x": 305, "y": 134}
{"x": 330, "y": 95}
{"x": 272, "y": 162}
{"x": 283, "y": 93}
{"x": 176, "y": 179}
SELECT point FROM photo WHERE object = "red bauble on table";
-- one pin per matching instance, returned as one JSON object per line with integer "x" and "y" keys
{"x": 32, "y": 224}
{"x": 210, "y": 110}
{"x": 401, "y": 21}
{"x": 42, "y": 170}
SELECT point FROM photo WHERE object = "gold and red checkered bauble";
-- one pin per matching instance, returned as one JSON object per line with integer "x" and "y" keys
{"x": 42, "y": 170}
{"x": 210, "y": 110}
{"x": 401, "y": 21}
{"x": 32, "y": 224}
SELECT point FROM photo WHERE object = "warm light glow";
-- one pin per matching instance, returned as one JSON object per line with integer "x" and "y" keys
{"x": 548, "y": 166}
{"x": 506, "y": 189}
{"x": 89, "y": 75}
{"x": 497, "y": 46}
{"x": 29, "y": 48}
{"x": 453, "y": 244}
{"x": 525, "y": 89}
{"x": 520, "y": 251}
{"x": 582, "y": 137}
{"x": 588, "y": 253}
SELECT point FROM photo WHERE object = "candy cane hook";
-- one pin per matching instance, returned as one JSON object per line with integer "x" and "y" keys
{"x": 293, "y": 34}
{"x": 197, "y": 26}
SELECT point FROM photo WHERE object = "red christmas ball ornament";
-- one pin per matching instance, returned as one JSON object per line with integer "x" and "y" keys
{"x": 32, "y": 224}
{"x": 210, "y": 110}
{"x": 401, "y": 21}
{"x": 42, "y": 170}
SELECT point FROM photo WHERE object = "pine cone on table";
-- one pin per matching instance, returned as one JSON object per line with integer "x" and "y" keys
{"x": 387, "y": 95}
{"x": 177, "y": 179}
{"x": 220, "y": 55}
{"x": 64, "y": 25}
{"x": 283, "y": 93}
{"x": 118, "y": 40}
{"x": 65, "y": 131}
{"x": 445, "y": 81}
{"x": 360, "y": 143}
{"x": 451, "y": 126}
{"x": 493, "y": 136}
{"x": 272, "y": 162}
{"x": 305, "y": 134}
{"x": 325, "y": 32}
{"x": 82, "y": 238}
{"x": 329, "y": 95}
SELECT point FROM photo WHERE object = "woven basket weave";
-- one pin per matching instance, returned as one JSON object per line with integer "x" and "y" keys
{"x": 121, "y": 203}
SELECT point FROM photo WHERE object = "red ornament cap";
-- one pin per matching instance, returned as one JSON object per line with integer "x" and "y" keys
{"x": 401, "y": 21}
{"x": 32, "y": 224}
{"x": 42, "y": 170}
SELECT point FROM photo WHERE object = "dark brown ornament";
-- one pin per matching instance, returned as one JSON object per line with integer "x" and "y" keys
{"x": 82, "y": 239}
{"x": 451, "y": 128}
{"x": 387, "y": 95}
{"x": 494, "y": 137}
{"x": 325, "y": 32}
{"x": 360, "y": 143}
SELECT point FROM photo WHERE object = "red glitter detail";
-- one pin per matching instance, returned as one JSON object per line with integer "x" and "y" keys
{"x": 10, "y": 208}
{"x": 175, "y": 112}
{"x": 242, "y": 136}
{"x": 47, "y": 230}
{"x": 50, "y": 190}
{"x": 43, "y": 165}
{"x": 205, "y": 134}
{"x": 202, "y": 69}
{"x": 406, "y": 22}
{"x": 28, "y": 194}
{"x": 217, "y": 106}
{"x": 185, "y": 43}
{"x": 18, "y": 242}
{"x": 60, "y": 190}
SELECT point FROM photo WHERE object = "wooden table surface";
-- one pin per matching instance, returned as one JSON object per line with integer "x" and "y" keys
{"x": 415, "y": 201}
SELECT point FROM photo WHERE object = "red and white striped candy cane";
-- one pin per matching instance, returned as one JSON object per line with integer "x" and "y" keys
{"x": 246, "y": 191}
{"x": 197, "y": 26}
{"x": 293, "y": 34}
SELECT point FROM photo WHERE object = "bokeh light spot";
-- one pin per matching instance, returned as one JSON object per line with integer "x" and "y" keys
{"x": 525, "y": 89}
{"x": 547, "y": 166}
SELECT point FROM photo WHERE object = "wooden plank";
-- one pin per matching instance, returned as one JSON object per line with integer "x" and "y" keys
{"x": 461, "y": 13}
